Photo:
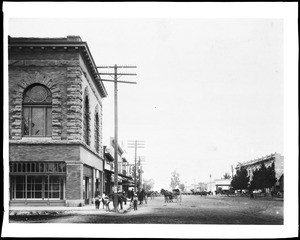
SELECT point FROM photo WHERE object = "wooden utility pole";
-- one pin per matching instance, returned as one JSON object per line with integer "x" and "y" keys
{"x": 115, "y": 76}
{"x": 141, "y": 159}
{"x": 135, "y": 144}
{"x": 209, "y": 182}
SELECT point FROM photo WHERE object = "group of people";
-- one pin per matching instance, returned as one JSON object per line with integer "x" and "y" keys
{"x": 135, "y": 197}
{"x": 105, "y": 199}
{"x": 139, "y": 196}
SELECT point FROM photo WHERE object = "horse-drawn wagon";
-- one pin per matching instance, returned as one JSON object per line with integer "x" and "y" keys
{"x": 171, "y": 196}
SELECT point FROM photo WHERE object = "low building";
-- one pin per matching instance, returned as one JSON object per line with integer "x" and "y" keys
{"x": 221, "y": 184}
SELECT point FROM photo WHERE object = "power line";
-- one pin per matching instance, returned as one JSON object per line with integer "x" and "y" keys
{"x": 115, "y": 74}
{"x": 135, "y": 144}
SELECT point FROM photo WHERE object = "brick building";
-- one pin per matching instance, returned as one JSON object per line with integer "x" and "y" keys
{"x": 268, "y": 160}
{"x": 55, "y": 122}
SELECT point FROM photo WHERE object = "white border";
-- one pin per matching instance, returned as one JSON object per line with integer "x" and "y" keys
{"x": 286, "y": 11}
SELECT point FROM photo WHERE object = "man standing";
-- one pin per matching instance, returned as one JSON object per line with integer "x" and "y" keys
{"x": 145, "y": 196}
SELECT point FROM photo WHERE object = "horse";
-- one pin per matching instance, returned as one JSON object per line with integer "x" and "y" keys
{"x": 168, "y": 195}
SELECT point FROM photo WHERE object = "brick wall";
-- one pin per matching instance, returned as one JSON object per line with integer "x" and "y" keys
{"x": 44, "y": 152}
{"x": 68, "y": 79}
{"x": 74, "y": 187}
{"x": 42, "y": 68}
{"x": 64, "y": 72}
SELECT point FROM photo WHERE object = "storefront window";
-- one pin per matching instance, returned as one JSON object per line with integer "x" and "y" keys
{"x": 48, "y": 185}
{"x": 19, "y": 187}
{"x": 34, "y": 187}
{"x": 54, "y": 188}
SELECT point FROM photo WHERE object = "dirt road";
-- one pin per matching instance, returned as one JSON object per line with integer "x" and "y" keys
{"x": 192, "y": 210}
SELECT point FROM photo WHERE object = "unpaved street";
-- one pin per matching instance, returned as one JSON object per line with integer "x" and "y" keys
{"x": 192, "y": 210}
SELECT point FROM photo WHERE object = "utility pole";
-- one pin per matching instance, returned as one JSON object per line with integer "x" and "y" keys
{"x": 115, "y": 76}
{"x": 135, "y": 144}
{"x": 141, "y": 159}
{"x": 210, "y": 182}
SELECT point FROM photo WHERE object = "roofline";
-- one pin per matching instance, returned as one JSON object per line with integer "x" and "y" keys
{"x": 62, "y": 43}
{"x": 258, "y": 160}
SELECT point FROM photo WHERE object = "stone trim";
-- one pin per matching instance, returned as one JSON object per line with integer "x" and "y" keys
{"x": 74, "y": 103}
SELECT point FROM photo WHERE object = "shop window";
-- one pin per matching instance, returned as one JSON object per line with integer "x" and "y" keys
{"x": 34, "y": 187}
{"x": 19, "y": 186}
{"x": 37, "y": 111}
{"x": 54, "y": 188}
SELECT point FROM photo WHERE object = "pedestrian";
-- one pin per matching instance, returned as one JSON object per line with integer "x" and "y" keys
{"x": 106, "y": 202}
{"x": 141, "y": 196}
{"x": 135, "y": 202}
{"x": 131, "y": 195}
{"x": 102, "y": 200}
{"x": 97, "y": 201}
{"x": 145, "y": 196}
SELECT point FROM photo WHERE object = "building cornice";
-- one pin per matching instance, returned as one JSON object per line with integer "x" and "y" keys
{"x": 60, "y": 44}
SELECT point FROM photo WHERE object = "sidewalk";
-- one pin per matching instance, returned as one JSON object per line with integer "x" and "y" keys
{"x": 58, "y": 210}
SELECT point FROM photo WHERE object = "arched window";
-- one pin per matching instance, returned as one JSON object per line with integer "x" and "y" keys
{"x": 97, "y": 135}
{"x": 86, "y": 121}
{"x": 37, "y": 111}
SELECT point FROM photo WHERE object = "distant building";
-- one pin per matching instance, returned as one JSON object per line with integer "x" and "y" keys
{"x": 55, "y": 122}
{"x": 201, "y": 187}
{"x": 268, "y": 160}
{"x": 223, "y": 184}
{"x": 125, "y": 178}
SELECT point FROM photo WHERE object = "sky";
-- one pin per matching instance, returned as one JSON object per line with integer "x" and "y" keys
{"x": 209, "y": 92}
{"x": 216, "y": 83}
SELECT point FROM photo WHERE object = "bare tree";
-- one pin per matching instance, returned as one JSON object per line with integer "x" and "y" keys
{"x": 175, "y": 181}
{"x": 148, "y": 184}
{"x": 181, "y": 187}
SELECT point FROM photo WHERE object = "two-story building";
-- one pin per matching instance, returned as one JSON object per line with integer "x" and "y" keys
{"x": 267, "y": 160}
{"x": 125, "y": 176}
{"x": 55, "y": 122}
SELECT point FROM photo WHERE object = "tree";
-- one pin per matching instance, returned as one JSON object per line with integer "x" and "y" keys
{"x": 240, "y": 180}
{"x": 271, "y": 176}
{"x": 263, "y": 177}
{"x": 148, "y": 184}
{"x": 175, "y": 181}
{"x": 181, "y": 187}
{"x": 226, "y": 176}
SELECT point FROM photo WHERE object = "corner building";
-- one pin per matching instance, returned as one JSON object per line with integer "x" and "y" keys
{"x": 55, "y": 122}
